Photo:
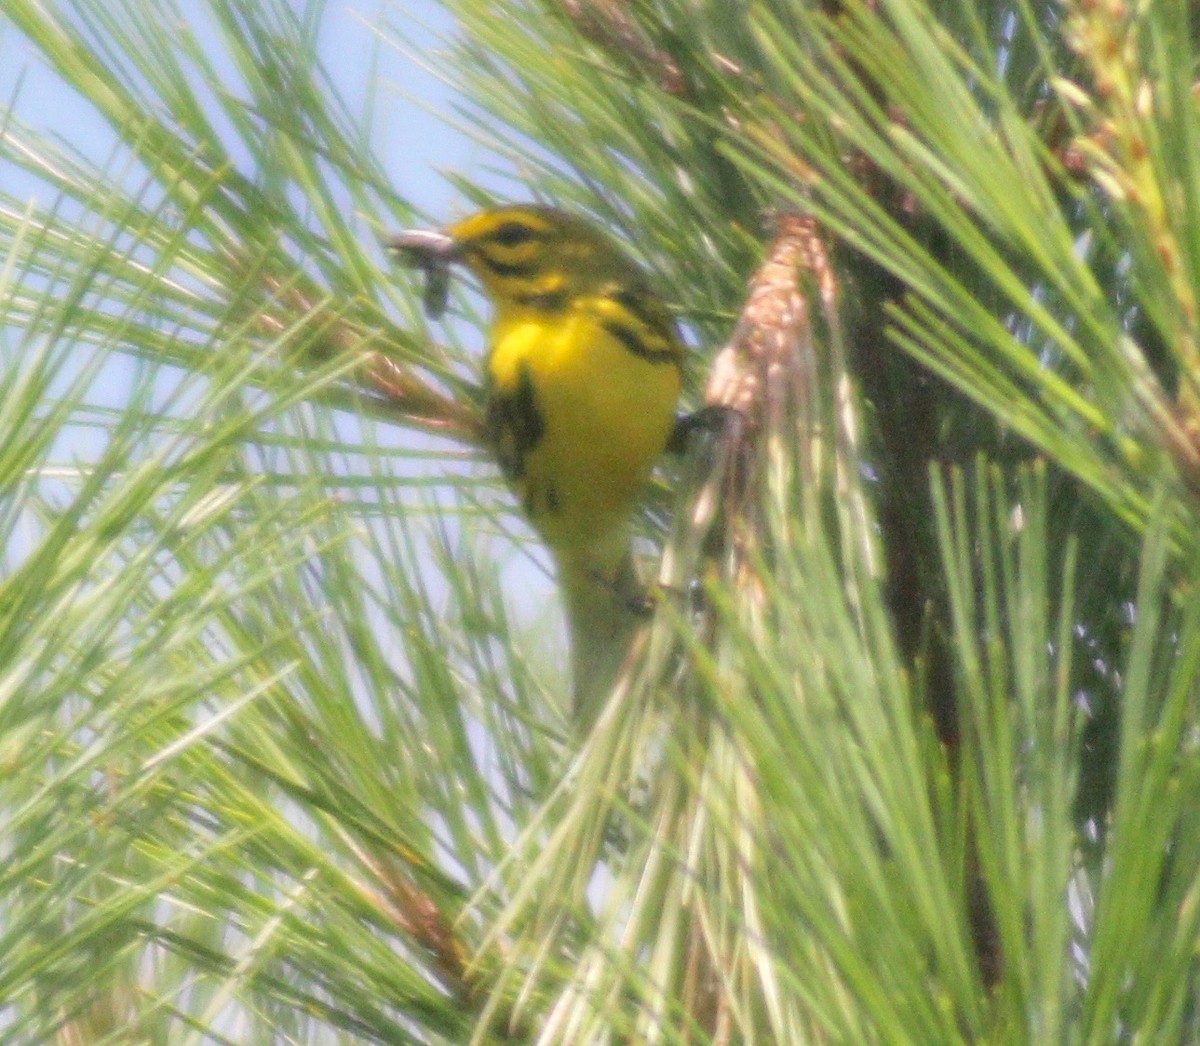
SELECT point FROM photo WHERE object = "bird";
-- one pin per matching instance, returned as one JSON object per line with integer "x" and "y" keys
{"x": 583, "y": 374}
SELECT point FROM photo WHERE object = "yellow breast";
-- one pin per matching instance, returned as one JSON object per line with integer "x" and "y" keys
{"x": 579, "y": 420}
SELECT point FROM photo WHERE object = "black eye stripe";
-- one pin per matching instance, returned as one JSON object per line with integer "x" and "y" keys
{"x": 513, "y": 234}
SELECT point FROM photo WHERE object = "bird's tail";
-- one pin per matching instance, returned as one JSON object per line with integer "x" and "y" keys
{"x": 604, "y": 602}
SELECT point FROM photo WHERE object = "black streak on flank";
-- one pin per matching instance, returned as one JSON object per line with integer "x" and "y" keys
{"x": 634, "y": 302}
{"x": 515, "y": 425}
{"x": 628, "y": 337}
{"x": 639, "y": 304}
{"x": 655, "y": 322}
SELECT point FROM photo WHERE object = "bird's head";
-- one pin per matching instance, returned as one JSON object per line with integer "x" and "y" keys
{"x": 528, "y": 255}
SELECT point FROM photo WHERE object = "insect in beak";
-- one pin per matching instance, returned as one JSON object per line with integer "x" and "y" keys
{"x": 433, "y": 253}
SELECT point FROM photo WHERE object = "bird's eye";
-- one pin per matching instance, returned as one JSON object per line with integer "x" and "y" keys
{"x": 512, "y": 234}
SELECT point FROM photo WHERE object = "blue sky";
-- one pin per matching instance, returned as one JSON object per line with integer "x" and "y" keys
{"x": 378, "y": 53}
{"x": 413, "y": 142}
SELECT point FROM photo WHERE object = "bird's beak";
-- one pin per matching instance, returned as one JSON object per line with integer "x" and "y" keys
{"x": 432, "y": 252}
{"x": 424, "y": 247}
